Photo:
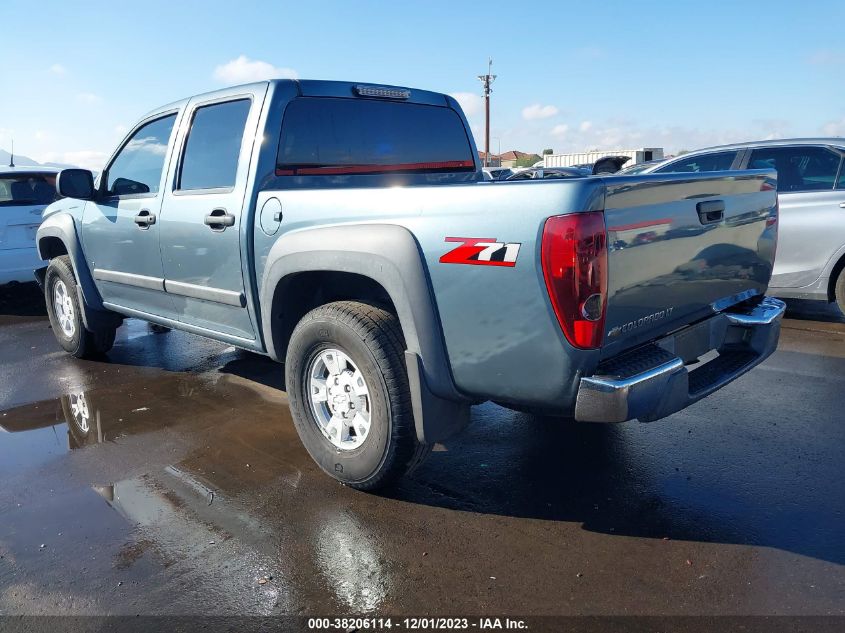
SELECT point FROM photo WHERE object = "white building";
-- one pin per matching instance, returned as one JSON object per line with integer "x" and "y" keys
{"x": 586, "y": 158}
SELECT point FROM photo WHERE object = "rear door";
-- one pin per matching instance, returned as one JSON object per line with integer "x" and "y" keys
{"x": 202, "y": 221}
{"x": 812, "y": 220}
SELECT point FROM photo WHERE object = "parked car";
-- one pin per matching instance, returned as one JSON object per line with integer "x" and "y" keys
{"x": 498, "y": 173}
{"x": 540, "y": 173}
{"x": 639, "y": 168}
{"x": 345, "y": 230}
{"x": 810, "y": 261}
{"x": 24, "y": 194}
{"x": 603, "y": 166}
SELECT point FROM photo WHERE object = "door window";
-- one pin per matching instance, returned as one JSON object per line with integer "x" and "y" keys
{"x": 805, "y": 168}
{"x": 137, "y": 167}
{"x": 210, "y": 159}
{"x": 716, "y": 161}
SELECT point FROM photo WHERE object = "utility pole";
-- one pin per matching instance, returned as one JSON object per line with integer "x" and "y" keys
{"x": 486, "y": 80}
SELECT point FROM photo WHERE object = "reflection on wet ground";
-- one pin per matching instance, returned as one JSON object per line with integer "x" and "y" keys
{"x": 168, "y": 478}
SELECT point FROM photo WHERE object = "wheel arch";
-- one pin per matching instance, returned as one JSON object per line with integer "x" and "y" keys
{"x": 837, "y": 269}
{"x": 57, "y": 236}
{"x": 377, "y": 263}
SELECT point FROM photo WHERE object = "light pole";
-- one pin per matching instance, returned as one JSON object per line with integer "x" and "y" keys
{"x": 486, "y": 80}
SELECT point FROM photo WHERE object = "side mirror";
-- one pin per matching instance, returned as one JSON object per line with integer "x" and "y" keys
{"x": 75, "y": 183}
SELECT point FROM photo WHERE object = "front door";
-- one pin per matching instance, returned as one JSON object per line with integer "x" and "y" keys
{"x": 202, "y": 232}
{"x": 121, "y": 229}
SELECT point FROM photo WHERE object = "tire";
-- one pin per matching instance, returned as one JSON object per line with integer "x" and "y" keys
{"x": 839, "y": 291}
{"x": 62, "y": 298}
{"x": 326, "y": 346}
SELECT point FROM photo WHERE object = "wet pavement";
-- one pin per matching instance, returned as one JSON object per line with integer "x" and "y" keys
{"x": 168, "y": 479}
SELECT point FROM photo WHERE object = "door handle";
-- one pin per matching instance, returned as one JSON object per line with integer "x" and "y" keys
{"x": 145, "y": 219}
{"x": 711, "y": 211}
{"x": 219, "y": 219}
{"x": 842, "y": 205}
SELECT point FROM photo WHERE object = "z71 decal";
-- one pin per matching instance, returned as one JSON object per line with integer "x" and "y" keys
{"x": 481, "y": 251}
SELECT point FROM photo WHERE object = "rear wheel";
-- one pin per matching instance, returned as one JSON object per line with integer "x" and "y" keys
{"x": 839, "y": 291}
{"x": 349, "y": 395}
{"x": 60, "y": 293}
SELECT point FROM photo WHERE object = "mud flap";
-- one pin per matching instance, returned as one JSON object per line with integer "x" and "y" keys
{"x": 435, "y": 419}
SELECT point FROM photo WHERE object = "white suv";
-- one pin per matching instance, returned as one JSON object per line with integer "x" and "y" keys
{"x": 24, "y": 194}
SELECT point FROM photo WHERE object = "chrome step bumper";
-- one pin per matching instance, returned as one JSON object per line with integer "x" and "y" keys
{"x": 654, "y": 381}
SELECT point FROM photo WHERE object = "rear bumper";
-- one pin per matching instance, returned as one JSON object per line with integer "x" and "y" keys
{"x": 657, "y": 380}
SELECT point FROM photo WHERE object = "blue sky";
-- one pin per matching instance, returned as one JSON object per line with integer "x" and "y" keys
{"x": 571, "y": 76}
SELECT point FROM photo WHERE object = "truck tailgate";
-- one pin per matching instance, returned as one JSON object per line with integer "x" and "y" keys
{"x": 681, "y": 246}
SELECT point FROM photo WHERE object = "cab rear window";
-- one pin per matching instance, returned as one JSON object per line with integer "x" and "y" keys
{"x": 328, "y": 136}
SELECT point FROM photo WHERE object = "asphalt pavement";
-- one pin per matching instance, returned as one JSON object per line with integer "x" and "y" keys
{"x": 168, "y": 478}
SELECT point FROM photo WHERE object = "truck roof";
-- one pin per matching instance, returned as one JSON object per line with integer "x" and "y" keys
{"x": 319, "y": 88}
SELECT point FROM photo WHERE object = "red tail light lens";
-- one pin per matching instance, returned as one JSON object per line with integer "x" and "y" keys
{"x": 574, "y": 258}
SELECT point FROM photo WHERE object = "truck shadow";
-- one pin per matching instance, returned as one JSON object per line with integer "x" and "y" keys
{"x": 22, "y": 300}
{"x": 718, "y": 473}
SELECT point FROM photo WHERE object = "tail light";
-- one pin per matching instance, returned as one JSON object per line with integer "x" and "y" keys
{"x": 574, "y": 258}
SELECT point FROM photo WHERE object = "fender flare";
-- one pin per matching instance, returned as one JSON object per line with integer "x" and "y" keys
{"x": 390, "y": 256}
{"x": 63, "y": 227}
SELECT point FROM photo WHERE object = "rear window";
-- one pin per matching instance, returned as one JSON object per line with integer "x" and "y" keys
{"x": 716, "y": 161}
{"x": 27, "y": 189}
{"x": 325, "y": 136}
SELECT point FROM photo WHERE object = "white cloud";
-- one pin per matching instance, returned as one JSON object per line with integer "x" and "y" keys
{"x": 58, "y": 69}
{"x": 834, "y": 128}
{"x": 470, "y": 102}
{"x": 244, "y": 70}
{"x": 41, "y": 135}
{"x": 585, "y": 126}
{"x": 536, "y": 111}
{"x": 88, "y": 97}
{"x": 120, "y": 130}
{"x": 826, "y": 58}
{"x": 89, "y": 159}
{"x": 560, "y": 130}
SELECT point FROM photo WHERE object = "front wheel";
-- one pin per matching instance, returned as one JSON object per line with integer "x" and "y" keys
{"x": 66, "y": 315}
{"x": 349, "y": 395}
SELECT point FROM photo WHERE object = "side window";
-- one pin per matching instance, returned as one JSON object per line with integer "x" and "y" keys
{"x": 716, "y": 161}
{"x": 210, "y": 159}
{"x": 137, "y": 168}
{"x": 805, "y": 168}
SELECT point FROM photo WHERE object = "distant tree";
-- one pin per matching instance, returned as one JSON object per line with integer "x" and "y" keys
{"x": 546, "y": 152}
{"x": 681, "y": 152}
{"x": 526, "y": 161}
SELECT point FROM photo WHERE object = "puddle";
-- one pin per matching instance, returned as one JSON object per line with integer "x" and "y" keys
{"x": 33, "y": 435}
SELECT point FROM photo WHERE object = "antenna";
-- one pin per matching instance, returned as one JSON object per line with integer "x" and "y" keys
{"x": 12, "y": 155}
{"x": 486, "y": 80}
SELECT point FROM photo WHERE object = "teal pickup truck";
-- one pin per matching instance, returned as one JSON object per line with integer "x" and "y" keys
{"x": 346, "y": 230}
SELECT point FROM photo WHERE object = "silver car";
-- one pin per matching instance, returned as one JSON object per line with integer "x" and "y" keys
{"x": 810, "y": 261}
